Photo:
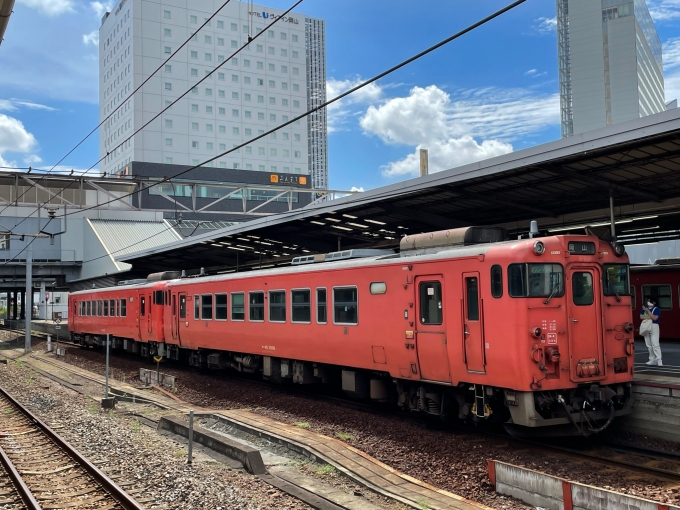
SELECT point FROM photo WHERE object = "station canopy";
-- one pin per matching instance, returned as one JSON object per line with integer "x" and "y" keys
{"x": 565, "y": 185}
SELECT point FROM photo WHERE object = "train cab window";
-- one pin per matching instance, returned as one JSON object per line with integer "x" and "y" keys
{"x": 321, "y": 307}
{"x": 197, "y": 307}
{"x": 660, "y": 293}
{"x": 106, "y": 308}
{"x": 582, "y": 288}
{"x": 122, "y": 310}
{"x": 206, "y": 307}
{"x": 430, "y": 302}
{"x": 615, "y": 279}
{"x": 496, "y": 281}
{"x": 301, "y": 305}
{"x": 142, "y": 306}
{"x": 633, "y": 298}
{"x": 277, "y": 306}
{"x": 535, "y": 280}
{"x": 182, "y": 307}
{"x": 88, "y": 308}
{"x": 112, "y": 307}
{"x": 220, "y": 307}
{"x": 256, "y": 306}
{"x": 238, "y": 307}
{"x": 345, "y": 305}
{"x": 472, "y": 298}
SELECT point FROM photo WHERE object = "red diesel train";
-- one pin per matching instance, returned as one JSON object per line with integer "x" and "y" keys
{"x": 533, "y": 333}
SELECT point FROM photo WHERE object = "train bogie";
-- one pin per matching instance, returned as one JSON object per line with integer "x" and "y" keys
{"x": 534, "y": 333}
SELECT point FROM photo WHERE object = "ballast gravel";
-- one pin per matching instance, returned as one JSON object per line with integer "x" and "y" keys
{"x": 454, "y": 461}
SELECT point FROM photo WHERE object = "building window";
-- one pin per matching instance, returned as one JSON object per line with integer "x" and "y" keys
{"x": 296, "y": 87}
{"x": 168, "y": 141}
{"x": 284, "y": 102}
{"x": 247, "y": 114}
{"x": 220, "y": 41}
{"x": 234, "y": 26}
{"x": 234, "y": 78}
{"x": 223, "y": 129}
{"x": 295, "y": 54}
{"x": 249, "y": 150}
{"x": 208, "y": 57}
{"x": 296, "y": 104}
{"x": 246, "y": 80}
{"x": 234, "y": 95}
{"x": 209, "y": 146}
{"x": 260, "y": 116}
{"x": 168, "y": 161}
{"x": 194, "y": 72}
{"x": 194, "y": 145}
{"x": 270, "y": 50}
{"x": 234, "y": 130}
{"x": 208, "y": 92}
{"x": 272, "y": 152}
{"x": 294, "y": 38}
{"x": 168, "y": 68}
{"x": 246, "y": 63}
{"x": 208, "y": 128}
{"x": 272, "y": 84}
{"x": 220, "y": 93}
{"x": 256, "y": 306}
{"x": 167, "y": 32}
{"x": 168, "y": 86}
{"x": 220, "y": 76}
{"x": 272, "y": 117}
{"x": 221, "y": 111}
{"x": 207, "y": 39}
{"x": 194, "y": 107}
{"x": 260, "y": 151}
{"x": 234, "y": 113}
{"x": 273, "y": 168}
{"x": 194, "y": 54}
{"x": 167, "y": 14}
{"x": 261, "y": 168}
{"x": 220, "y": 24}
{"x": 270, "y": 34}
{"x": 286, "y": 153}
{"x": 168, "y": 123}
{"x": 168, "y": 50}
{"x": 297, "y": 154}
{"x": 194, "y": 126}
{"x": 296, "y": 137}
{"x": 284, "y": 69}
{"x": 193, "y": 19}
{"x": 223, "y": 146}
{"x": 272, "y": 67}
{"x": 284, "y": 53}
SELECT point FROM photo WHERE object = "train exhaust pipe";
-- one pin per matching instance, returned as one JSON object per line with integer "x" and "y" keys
{"x": 533, "y": 229}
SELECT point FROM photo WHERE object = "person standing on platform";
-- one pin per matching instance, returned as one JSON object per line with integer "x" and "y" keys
{"x": 651, "y": 311}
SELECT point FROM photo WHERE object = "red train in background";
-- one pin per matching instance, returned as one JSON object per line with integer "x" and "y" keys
{"x": 661, "y": 281}
{"x": 535, "y": 334}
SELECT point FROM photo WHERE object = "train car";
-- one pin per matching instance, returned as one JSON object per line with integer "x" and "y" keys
{"x": 534, "y": 333}
{"x": 661, "y": 281}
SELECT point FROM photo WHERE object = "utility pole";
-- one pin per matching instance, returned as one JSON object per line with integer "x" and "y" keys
{"x": 28, "y": 298}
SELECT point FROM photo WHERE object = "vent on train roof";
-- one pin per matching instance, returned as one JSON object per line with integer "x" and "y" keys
{"x": 667, "y": 261}
{"x": 339, "y": 255}
{"x": 465, "y": 236}
{"x": 138, "y": 281}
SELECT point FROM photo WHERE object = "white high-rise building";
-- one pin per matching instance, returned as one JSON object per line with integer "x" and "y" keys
{"x": 277, "y": 77}
{"x": 609, "y": 61}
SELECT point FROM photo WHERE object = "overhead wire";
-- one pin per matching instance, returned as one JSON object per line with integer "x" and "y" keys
{"x": 325, "y": 104}
{"x": 25, "y": 247}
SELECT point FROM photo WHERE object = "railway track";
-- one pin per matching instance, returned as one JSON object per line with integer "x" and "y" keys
{"x": 44, "y": 471}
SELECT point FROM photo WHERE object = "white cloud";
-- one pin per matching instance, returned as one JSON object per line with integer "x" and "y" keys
{"x": 545, "y": 26}
{"x": 91, "y": 38}
{"x": 534, "y": 73}
{"x": 664, "y": 10}
{"x": 50, "y": 7}
{"x": 33, "y": 159}
{"x": 14, "y": 138}
{"x": 443, "y": 155}
{"x": 6, "y": 104}
{"x": 340, "y": 112}
{"x": 360, "y": 189}
{"x": 101, "y": 8}
{"x": 671, "y": 54}
{"x": 478, "y": 124}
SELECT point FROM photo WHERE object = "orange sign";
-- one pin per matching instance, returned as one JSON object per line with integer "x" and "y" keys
{"x": 274, "y": 178}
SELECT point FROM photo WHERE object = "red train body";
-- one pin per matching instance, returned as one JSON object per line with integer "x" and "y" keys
{"x": 529, "y": 333}
{"x": 662, "y": 281}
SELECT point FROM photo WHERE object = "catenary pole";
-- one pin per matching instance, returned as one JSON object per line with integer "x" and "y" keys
{"x": 28, "y": 298}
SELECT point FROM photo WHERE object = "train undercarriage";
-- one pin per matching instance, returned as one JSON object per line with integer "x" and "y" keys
{"x": 584, "y": 410}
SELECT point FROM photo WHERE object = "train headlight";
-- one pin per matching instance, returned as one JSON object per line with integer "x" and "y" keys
{"x": 535, "y": 332}
{"x": 539, "y": 248}
{"x": 628, "y": 327}
{"x": 619, "y": 249}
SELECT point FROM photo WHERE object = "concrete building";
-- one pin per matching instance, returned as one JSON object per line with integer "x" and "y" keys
{"x": 277, "y": 77}
{"x": 609, "y": 63}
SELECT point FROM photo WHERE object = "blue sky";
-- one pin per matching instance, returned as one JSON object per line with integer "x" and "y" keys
{"x": 490, "y": 92}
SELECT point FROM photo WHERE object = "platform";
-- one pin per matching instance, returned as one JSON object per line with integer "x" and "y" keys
{"x": 671, "y": 362}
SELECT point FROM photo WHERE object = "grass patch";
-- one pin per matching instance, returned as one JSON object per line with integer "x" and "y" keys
{"x": 423, "y": 503}
{"x": 8, "y": 411}
{"x": 93, "y": 409}
{"x": 179, "y": 453}
{"x": 326, "y": 469}
{"x": 343, "y": 436}
{"x": 135, "y": 425}
{"x": 302, "y": 424}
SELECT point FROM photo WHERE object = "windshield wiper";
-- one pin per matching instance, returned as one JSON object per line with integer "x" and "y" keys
{"x": 552, "y": 293}
{"x": 618, "y": 298}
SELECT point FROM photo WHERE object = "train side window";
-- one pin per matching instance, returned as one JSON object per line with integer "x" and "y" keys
{"x": 496, "y": 281}
{"x": 158, "y": 297}
{"x": 633, "y": 298}
{"x": 301, "y": 305}
{"x": 277, "y": 306}
{"x": 100, "y": 307}
{"x": 197, "y": 307}
{"x": 174, "y": 304}
{"x": 345, "y": 305}
{"x": 106, "y": 308}
{"x": 582, "y": 288}
{"x": 88, "y": 308}
{"x": 431, "y": 303}
{"x": 321, "y": 306}
{"x": 182, "y": 307}
{"x": 206, "y": 307}
{"x": 123, "y": 307}
{"x": 220, "y": 307}
{"x": 112, "y": 308}
{"x": 238, "y": 307}
{"x": 472, "y": 298}
{"x": 142, "y": 306}
{"x": 256, "y": 306}
{"x": 661, "y": 294}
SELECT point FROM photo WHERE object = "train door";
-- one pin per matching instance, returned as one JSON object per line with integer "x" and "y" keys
{"x": 473, "y": 331}
{"x": 586, "y": 338}
{"x": 179, "y": 315}
{"x": 431, "y": 340}
{"x": 143, "y": 316}
{"x": 173, "y": 318}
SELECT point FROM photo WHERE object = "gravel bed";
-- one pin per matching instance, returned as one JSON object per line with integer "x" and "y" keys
{"x": 126, "y": 450}
{"x": 456, "y": 462}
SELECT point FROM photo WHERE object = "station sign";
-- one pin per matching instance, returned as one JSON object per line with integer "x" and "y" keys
{"x": 288, "y": 179}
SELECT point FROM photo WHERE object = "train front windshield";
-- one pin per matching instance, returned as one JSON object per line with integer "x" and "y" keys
{"x": 616, "y": 280}
{"x": 535, "y": 280}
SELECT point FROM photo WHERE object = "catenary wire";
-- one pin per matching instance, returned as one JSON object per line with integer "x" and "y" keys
{"x": 327, "y": 103}
{"x": 47, "y": 172}
{"x": 27, "y": 245}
